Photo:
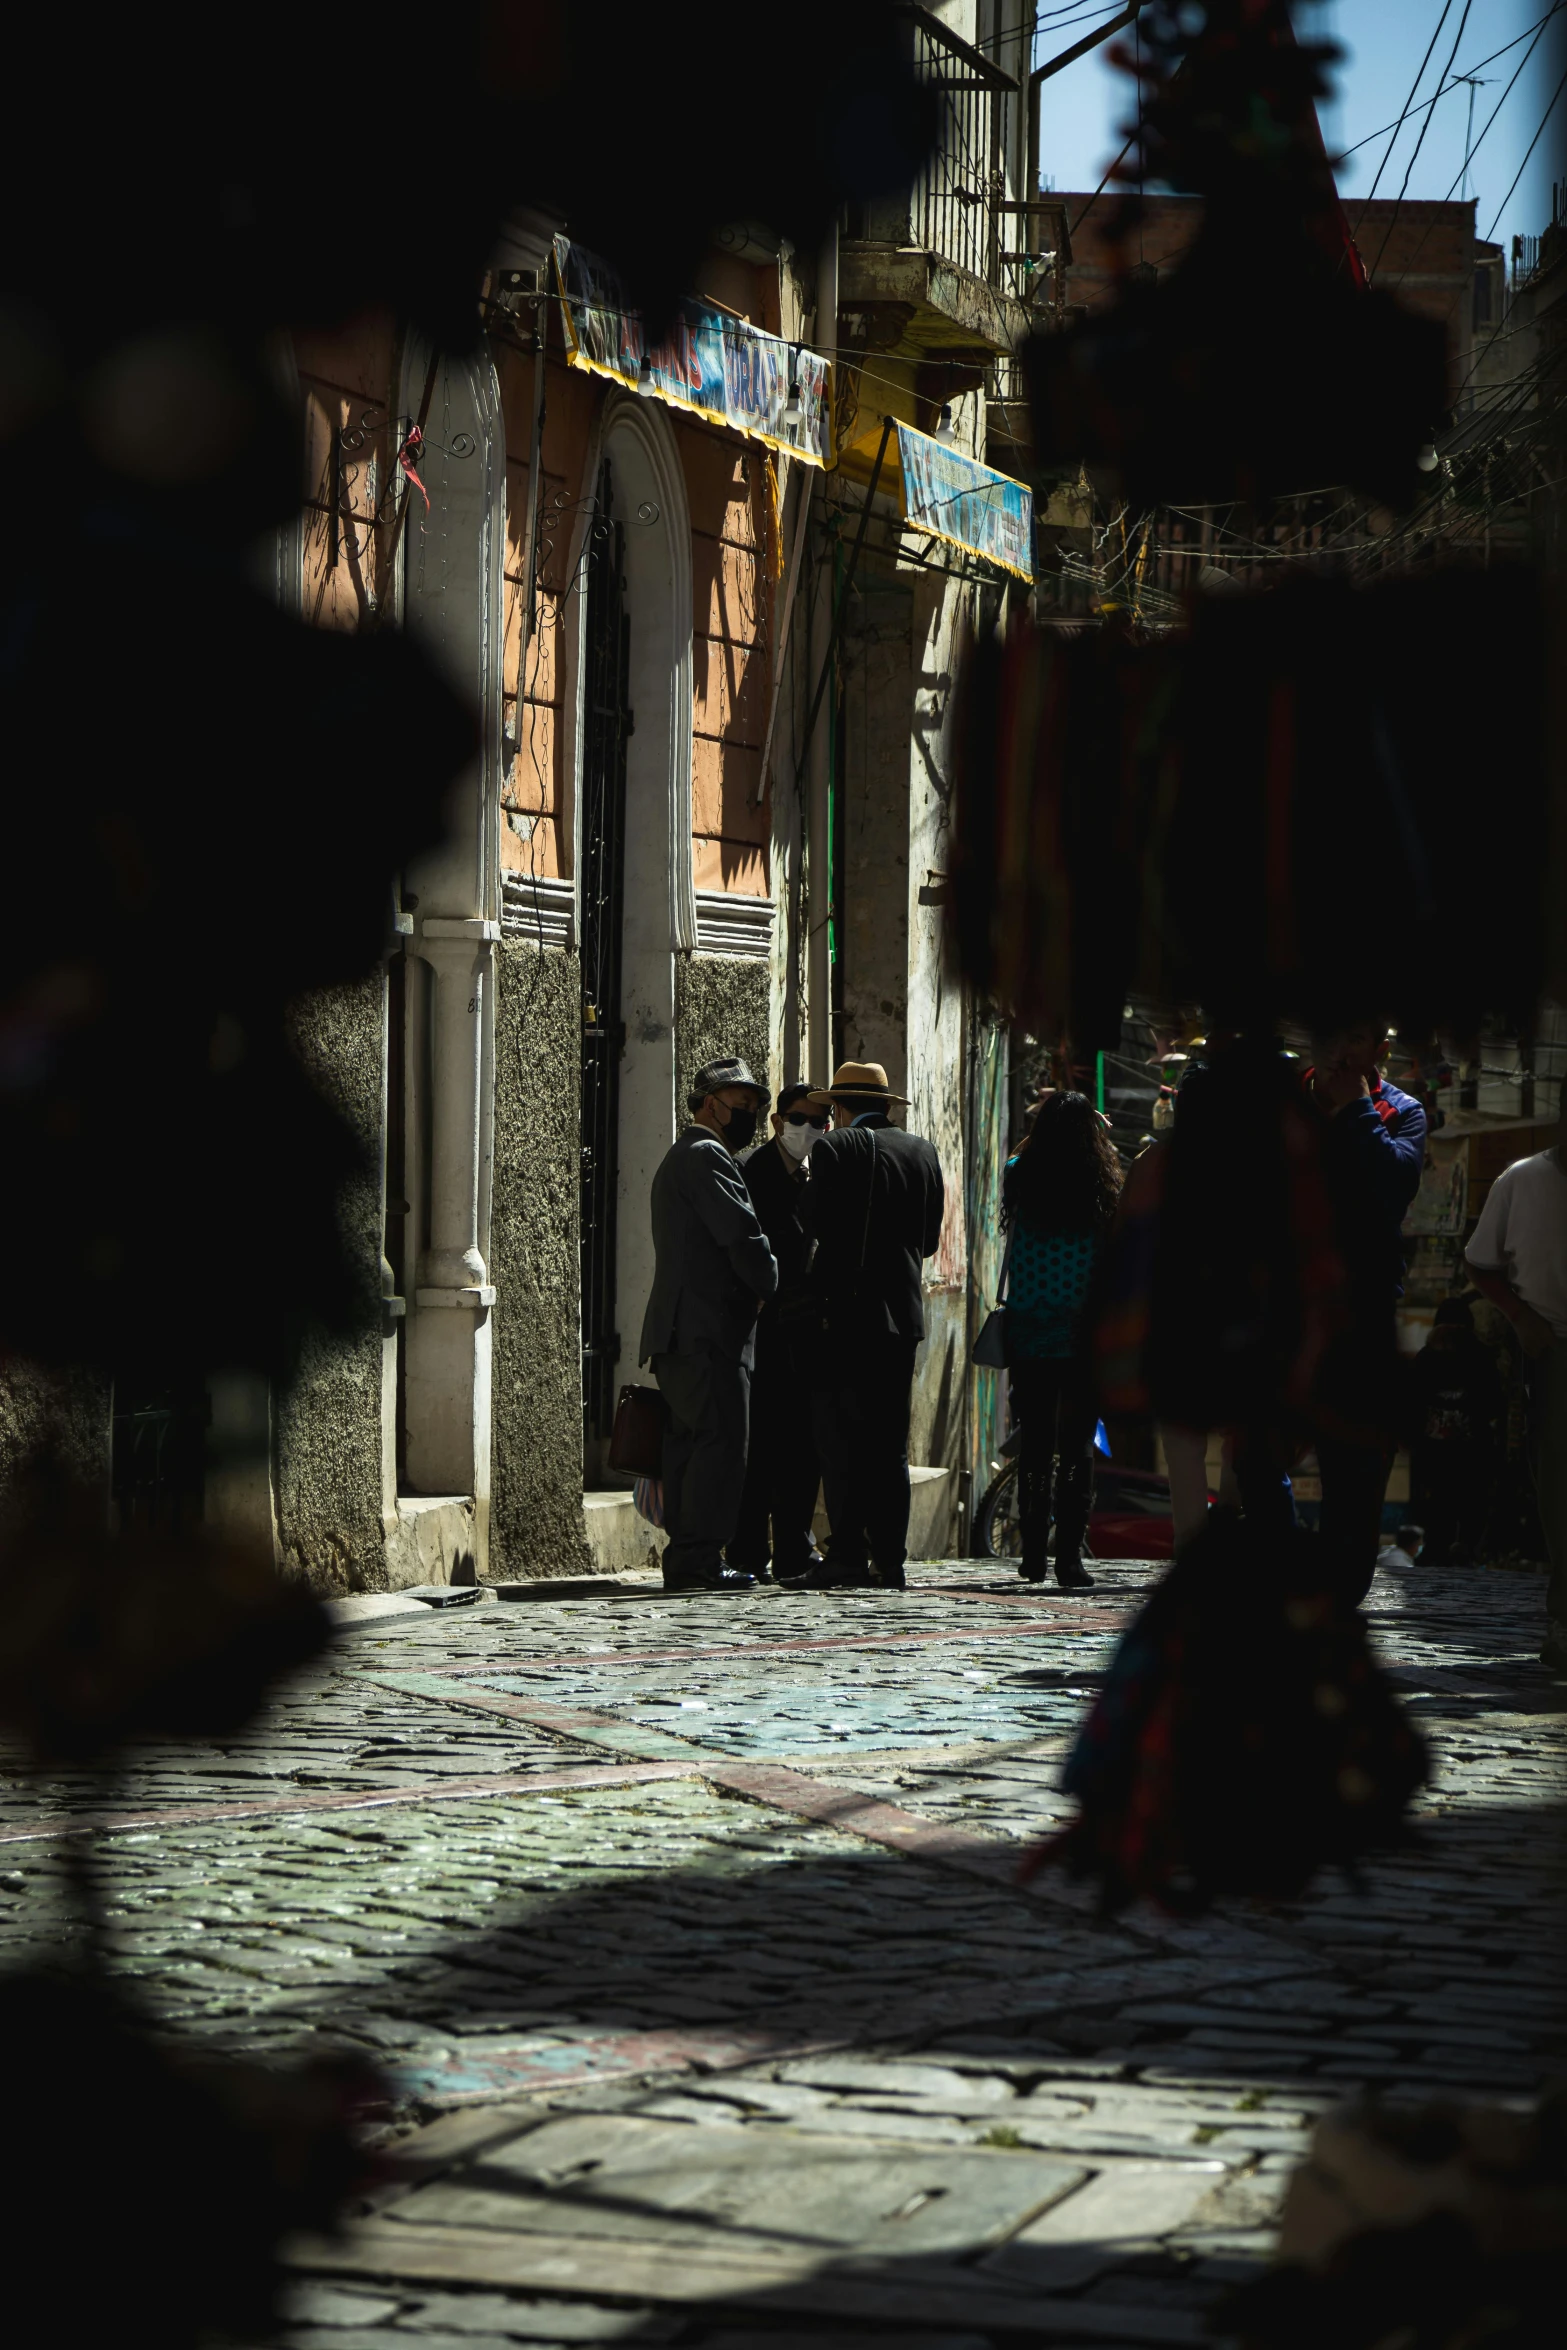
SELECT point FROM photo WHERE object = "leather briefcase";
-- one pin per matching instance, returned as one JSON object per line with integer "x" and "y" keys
{"x": 636, "y": 1444}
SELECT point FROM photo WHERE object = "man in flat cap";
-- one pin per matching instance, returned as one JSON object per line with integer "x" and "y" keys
{"x": 874, "y": 1207}
{"x": 713, "y": 1270}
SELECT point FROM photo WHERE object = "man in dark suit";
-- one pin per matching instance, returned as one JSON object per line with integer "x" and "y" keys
{"x": 712, "y": 1270}
{"x": 782, "y": 1472}
{"x": 874, "y": 1208}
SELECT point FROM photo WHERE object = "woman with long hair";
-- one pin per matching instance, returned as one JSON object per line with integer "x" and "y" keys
{"x": 1057, "y": 1201}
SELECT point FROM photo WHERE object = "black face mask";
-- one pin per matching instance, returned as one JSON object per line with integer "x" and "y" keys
{"x": 739, "y": 1127}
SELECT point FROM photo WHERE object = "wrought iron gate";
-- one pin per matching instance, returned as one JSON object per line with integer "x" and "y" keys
{"x": 608, "y": 729}
{"x": 159, "y": 1448}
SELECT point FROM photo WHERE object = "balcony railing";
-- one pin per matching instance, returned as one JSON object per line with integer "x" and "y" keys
{"x": 952, "y": 206}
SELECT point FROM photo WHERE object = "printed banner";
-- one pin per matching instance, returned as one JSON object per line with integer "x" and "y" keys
{"x": 718, "y": 367}
{"x": 955, "y": 498}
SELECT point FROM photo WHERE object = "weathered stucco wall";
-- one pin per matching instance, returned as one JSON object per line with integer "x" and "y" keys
{"x": 328, "y": 1422}
{"x": 937, "y": 1039}
{"x": 721, "y": 1008}
{"x": 536, "y": 1476}
{"x": 875, "y": 852}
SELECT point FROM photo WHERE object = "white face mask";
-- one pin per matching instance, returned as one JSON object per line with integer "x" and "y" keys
{"x": 797, "y": 1142}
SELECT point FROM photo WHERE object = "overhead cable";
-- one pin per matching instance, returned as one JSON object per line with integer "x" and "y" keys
{"x": 1419, "y": 143}
{"x": 1409, "y": 101}
{"x": 1528, "y": 151}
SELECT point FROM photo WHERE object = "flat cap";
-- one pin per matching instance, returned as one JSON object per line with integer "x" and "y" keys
{"x": 716, "y": 1075}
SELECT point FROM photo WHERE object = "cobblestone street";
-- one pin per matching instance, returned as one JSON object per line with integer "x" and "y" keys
{"x": 685, "y": 1933}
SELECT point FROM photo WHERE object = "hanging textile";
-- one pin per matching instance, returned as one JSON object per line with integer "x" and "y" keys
{"x": 1267, "y": 814}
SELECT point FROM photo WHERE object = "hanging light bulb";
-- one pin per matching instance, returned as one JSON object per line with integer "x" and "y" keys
{"x": 647, "y": 388}
{"x": 946, "y": 430}
{"x": 1427, "y": 460}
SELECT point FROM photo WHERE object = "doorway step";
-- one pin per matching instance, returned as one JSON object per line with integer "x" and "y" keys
{"x": 432, "y": 1540}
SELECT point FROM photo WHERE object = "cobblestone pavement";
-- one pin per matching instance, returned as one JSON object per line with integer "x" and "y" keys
{"x": 686, "y": 1934}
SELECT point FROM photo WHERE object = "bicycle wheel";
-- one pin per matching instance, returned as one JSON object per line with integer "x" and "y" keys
{"x": 998, "y": 1528}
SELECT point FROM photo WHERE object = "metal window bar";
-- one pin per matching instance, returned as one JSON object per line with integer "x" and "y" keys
{"x": 158, "y": 1451}
{"x": 952, "y": 206}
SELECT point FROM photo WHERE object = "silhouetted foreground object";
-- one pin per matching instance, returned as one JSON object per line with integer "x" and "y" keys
{"x": 1256, "y": 814}
{"x": 643, "y": 142}
{"x": 211, "y": 802}
{"x": 176, "y": 1172}
{"x": 259, "y": 782}
{"x": 1222, "y": 1285}
{"x": 1436, "y": 2226}
{"x": 145, "y": 2200}
{"x": 1243, "y": 1738}
{"x": 113, "y": 1637}
{"x": 1181, "y": 385}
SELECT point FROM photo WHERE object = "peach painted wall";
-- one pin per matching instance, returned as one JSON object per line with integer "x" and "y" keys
{"x": 536, "y": 792}
{"x": 733, "y": 556}
{"x": 348, "y": 381}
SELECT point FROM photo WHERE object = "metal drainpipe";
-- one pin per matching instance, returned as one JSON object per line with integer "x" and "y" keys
{"x": 818, "y": 969}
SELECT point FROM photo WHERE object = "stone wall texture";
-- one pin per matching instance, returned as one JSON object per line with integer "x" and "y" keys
{"x": 327, "y": 1423}
{"x": 721, "y": 1008}
{"x": 47, "y": 1411}
{"x": 536, "y": 1472}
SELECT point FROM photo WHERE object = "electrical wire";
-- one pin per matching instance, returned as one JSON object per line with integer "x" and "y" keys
{"x": 1410, "y": 100}
{"x": 1554, "y": 10}
{"x": 1539, "y": 33}
{"x": 1099, "y": 191}
{"x": 1419, "y": 143}
{"x": 1528, "y": 151}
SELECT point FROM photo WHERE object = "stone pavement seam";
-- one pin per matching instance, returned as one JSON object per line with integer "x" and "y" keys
{"x": 598, "y": 1658}
{"x": 822, "y": 1801}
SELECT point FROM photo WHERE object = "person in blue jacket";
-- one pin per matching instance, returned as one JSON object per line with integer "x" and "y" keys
{"x": 1373, "y": 1148}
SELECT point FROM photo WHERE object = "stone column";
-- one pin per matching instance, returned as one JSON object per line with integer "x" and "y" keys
{"x": 453, "y": 591}
{"x": 453, "y": 1294}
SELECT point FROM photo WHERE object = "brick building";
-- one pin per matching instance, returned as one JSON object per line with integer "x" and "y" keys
{"x": 1428, "y": 254}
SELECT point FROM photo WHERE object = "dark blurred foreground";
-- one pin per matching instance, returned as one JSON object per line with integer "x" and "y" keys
{"x": 1195, "y": 820}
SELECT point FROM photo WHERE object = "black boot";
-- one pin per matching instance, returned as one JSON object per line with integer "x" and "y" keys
{"x": 1071, "y": 1574}
{"x": 835, "y": 1575}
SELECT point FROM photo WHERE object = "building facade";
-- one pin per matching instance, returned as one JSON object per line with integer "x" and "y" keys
{"x": 708, "y": 814}
{"x": 705, "y": 596}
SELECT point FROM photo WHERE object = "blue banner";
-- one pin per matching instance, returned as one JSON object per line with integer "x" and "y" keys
{"x": 718, "y": 367}
{"x": 957, "y": 499}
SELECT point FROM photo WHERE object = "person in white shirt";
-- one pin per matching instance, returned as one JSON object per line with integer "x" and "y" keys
{"x": 1518, "y": 1259}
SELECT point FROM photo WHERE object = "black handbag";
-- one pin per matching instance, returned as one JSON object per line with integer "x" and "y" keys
{"x": 636, "y": 1443}
{"x": 989, "y": 1350}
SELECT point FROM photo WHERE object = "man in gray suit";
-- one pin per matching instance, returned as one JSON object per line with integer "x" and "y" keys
{"x": 712, "y": 1271}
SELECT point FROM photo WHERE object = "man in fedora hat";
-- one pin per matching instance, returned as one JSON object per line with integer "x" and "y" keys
{"x": 712, "y": 1271}
{"x": 874, "y": 1207}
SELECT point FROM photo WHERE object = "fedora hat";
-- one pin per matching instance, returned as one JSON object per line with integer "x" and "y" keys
{"x": 861, "y": 1083}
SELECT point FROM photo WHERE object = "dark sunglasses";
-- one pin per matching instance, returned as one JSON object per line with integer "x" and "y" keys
{"x": 807, "y": 1118}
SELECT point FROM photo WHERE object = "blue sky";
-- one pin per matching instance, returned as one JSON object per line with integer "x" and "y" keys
{"x": 1384, "y": 41}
